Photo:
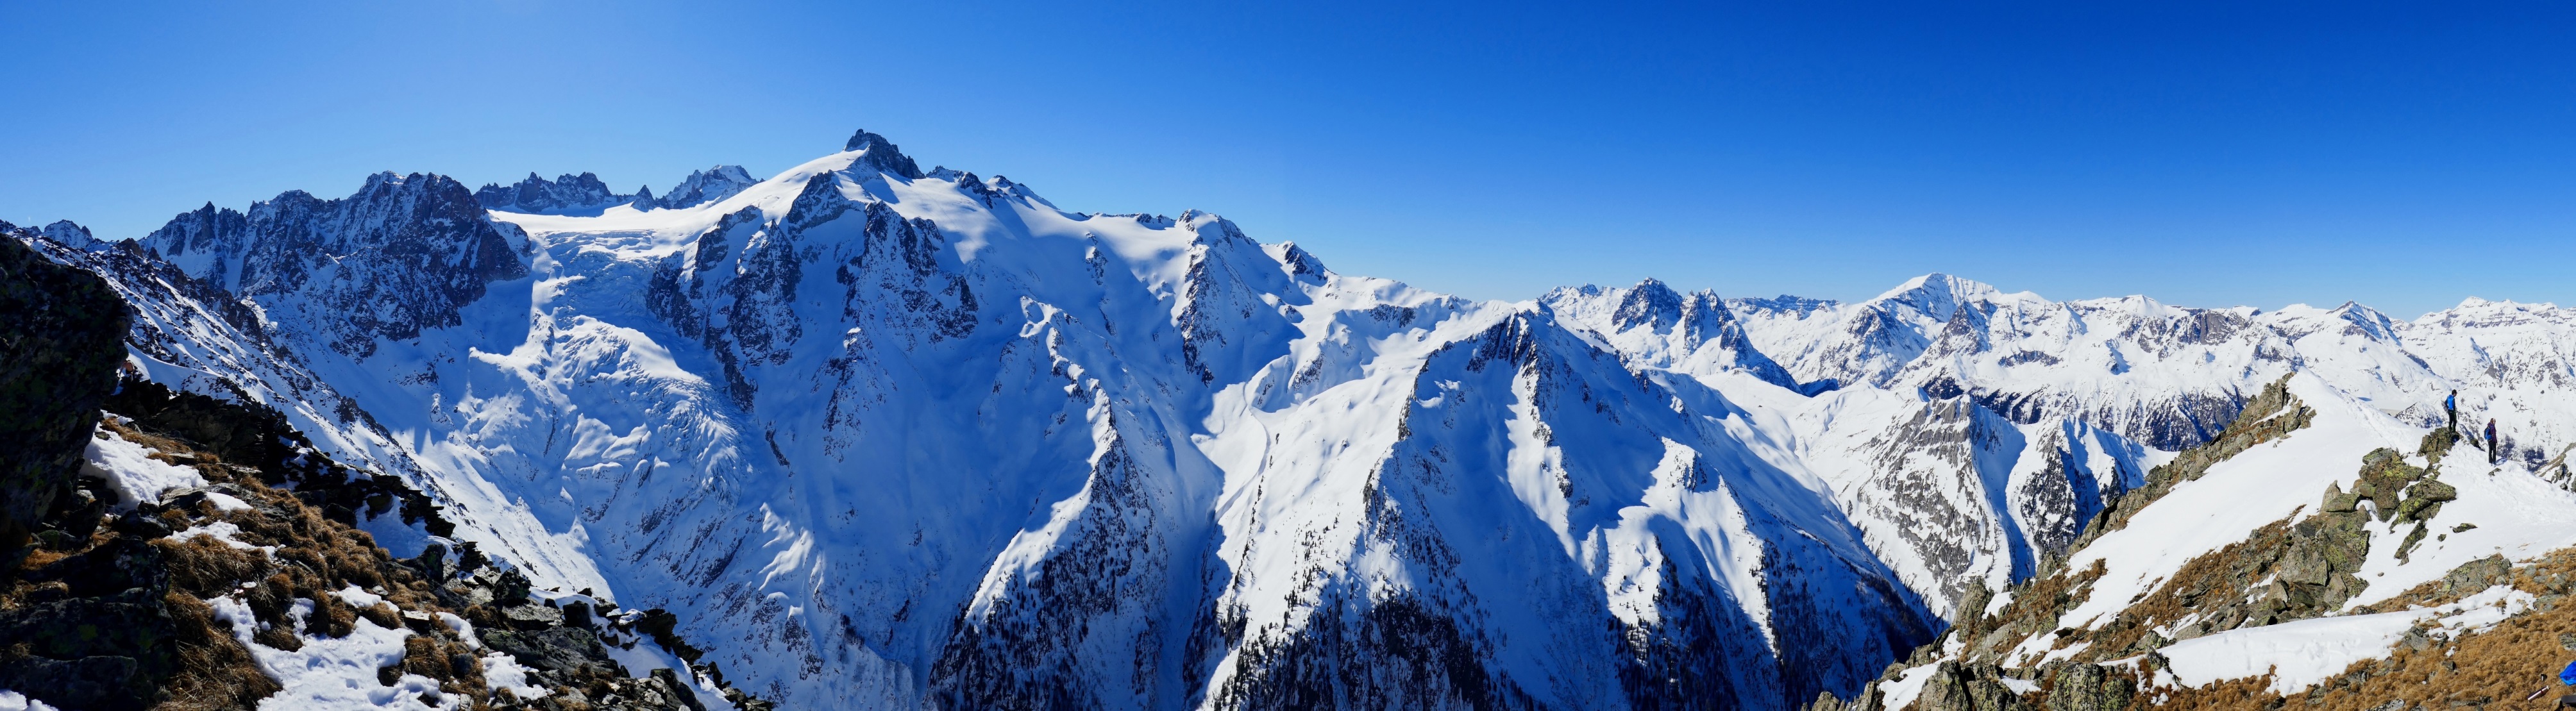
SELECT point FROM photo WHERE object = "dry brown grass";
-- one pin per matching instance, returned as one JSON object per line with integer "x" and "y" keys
{"x": 216, "y": 671}
{"x": 2034, "y": 609}
{"x": 2495, "y": 668}
{"x": 315, "y": 556}
{"x": 206, "y": 567}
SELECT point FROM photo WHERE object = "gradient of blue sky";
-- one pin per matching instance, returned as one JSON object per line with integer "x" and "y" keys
{"x": 2207, "y": 154}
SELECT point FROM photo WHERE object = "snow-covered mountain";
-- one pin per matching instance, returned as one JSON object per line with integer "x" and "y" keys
{"x": 702, "y": 187}
{"x": 883, "y": 437}
{"x": 584, "y": 194}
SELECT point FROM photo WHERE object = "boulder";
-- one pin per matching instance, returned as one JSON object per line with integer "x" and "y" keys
{"x": 2432, "y": 490}
{"x": 2477, "y": 575}
{"x": 532, "y": 616}
{"x": 1968, "y": 687}
{"x": 2088, "y": 687}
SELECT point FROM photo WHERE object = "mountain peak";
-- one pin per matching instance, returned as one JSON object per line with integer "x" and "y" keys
{"x": 1649, "y": 303}
{"x": 1937, "y": 282}
{"x": 67, "y": 232}
{"x": 567, "y": 193}
{"x": 882, "y": 155}
{"x": 1937, "y": 295}
{"x": 706, "y": 186}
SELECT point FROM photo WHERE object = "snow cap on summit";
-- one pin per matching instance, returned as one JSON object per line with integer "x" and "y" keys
{"x": 69, "y": 233}
{"x": 881, "y": 155}
{"x": 1939, "y": 295}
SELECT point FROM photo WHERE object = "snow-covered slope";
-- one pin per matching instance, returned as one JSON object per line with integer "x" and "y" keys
{"x": 2279, "y": 569}
{"x": 2171, "y": 376}
{"x": 705, "y": 186}
{"x": 1947, "y": 492}
{"x": 886, "y": 437}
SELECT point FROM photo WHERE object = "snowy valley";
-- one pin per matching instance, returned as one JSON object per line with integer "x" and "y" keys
{"x": 866, "y": 435}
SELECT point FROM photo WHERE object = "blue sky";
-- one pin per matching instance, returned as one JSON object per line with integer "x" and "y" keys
{"x": 2207, "y": 154}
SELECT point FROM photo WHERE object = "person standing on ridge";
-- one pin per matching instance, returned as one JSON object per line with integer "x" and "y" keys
{"x": 2495, "y": 450}
{"x": 2451, "y": 406}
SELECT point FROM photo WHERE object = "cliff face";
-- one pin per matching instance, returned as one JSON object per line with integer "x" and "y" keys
{"x": 61, "y": 331}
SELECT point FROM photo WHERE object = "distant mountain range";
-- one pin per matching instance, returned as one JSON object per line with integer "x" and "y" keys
{"x": 885, "y": 437}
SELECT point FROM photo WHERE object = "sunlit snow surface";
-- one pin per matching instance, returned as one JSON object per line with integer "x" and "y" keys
{"x": 332, "y": 673}
{"x": 827, "y": 416}
{"x": 130, "y": 470}
{"x": 876, "y": 437}
{"x": 2304, "y": 653}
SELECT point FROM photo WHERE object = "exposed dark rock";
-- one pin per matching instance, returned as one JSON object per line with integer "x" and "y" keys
{"x": 2477, "y": 575}
{"x": 2438, "y": 443}
{"x": 246, "y": 432}
{"x": 1395, "y": 653}
{"x": 566, "y": 193}
{"x": 2087, "y": 687}
{"x": 533, "y": 616}
{"x": 120, "y": 620}
{"x": 1968, "y": 687}
{"x": 402, "y": 255}
{"x": 61, "y": 336}
{"x": 882, "y": 156}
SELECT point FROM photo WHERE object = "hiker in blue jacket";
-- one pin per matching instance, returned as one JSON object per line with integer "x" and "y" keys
{"x": 2495, "y": 449}
{"x": 2451, "y": 406}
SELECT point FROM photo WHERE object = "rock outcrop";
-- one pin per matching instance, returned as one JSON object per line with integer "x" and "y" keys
{"x": 186, "y": 599}
{"x": 61, "y": 337}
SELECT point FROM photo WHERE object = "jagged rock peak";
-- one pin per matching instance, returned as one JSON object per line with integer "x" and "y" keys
{"x": 535, "y": 194}
{"x": 400, "y": 255}
{"x": 1784, "y": 304}
{"x": 1299, "y": 262}
{"x": 998, "y": 186}
{"x": 881, "y": 155}
{"x": 706, "y": 186}
{"x": 1650, "y": 303}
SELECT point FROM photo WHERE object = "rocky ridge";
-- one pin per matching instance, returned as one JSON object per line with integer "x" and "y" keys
{"x": 208, "y": 596}
{"x": 2023, "y": 650}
